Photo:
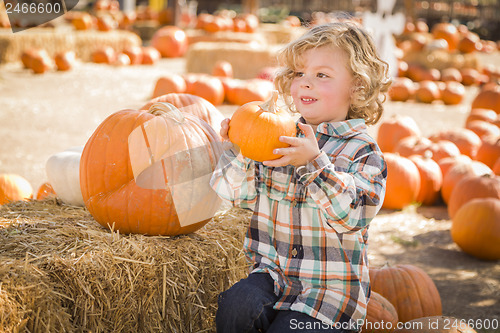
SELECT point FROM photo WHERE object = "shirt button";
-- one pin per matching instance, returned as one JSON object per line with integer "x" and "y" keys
{"x": 294, "y": 203}
{"x": 294, "y": 252}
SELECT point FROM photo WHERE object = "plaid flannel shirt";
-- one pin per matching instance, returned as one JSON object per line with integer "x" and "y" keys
{"x": 309, "y": 228}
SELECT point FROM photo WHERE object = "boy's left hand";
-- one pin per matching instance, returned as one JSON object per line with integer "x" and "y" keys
{"x": 300, "y": 152}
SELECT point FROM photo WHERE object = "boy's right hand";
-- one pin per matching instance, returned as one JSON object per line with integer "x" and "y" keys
{"x": 224, "y": 128}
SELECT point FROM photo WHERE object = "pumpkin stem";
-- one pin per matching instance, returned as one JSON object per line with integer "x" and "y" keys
{"x": 166, "y": 110}
{"x": 270, "y": 105}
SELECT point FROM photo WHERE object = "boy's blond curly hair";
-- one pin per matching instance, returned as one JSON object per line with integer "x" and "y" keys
{"x": 370, "y": 72}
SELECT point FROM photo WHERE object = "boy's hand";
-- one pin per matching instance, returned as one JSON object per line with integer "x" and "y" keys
{"x": 301, "y": 150}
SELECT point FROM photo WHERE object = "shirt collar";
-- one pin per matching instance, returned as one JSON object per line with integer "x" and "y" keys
{"x": 341, "y": 129}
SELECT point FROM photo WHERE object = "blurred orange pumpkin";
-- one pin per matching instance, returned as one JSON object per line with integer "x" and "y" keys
{"x": 14, "y": 187}
{"x": 173, "y": 83}
{"x": 448, "y": 32}
{"x": 171, "y": 41}
{"x": 488, "y": 99}
{"x": 65, "y": 60}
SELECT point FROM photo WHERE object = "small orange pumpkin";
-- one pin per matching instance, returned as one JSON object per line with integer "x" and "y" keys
{"x": 173, "y": 83}
{"x": 448, "y": 32}
{"x": 488, "y": 99}
{"x": 402, "y": 89}
{"x": 256, "y": 127}
{"x": 150, "y": 55}
{"x": 431, "y": 179}
{"x": 392, "y": 130}
{"x": 483, "y": 128}
{"x": 65, "y": 60}
{"x": 222, "y": 68}
{"x": 45, "y": 191}
{"x": 134, "y": 53}
{"x": 104, "y": 55}
{"x": 453, "y": 93}
{"x": 482, "y": 114}
{"x": 171, "y": 41}
{"x": 459, "y": 170}
{"x": 427, "y": 91}
{"x": 245, "y": 91}
{"x": 206, "y": 86}
{"x": 489, "y": 150}
{"x": 40, "y": 61}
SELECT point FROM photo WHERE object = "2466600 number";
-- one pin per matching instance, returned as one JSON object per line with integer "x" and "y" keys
{"x": 486, "y": 324}
{"x": 33, "y": 8}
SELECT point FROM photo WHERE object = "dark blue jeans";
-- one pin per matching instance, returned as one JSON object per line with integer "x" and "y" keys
{"x": 247, "y": 307}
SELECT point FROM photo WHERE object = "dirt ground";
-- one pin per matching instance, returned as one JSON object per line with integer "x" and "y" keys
{"x": 44, "y": 114}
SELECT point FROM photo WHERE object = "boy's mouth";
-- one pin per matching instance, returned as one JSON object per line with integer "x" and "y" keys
{"x": 308, "y": 100}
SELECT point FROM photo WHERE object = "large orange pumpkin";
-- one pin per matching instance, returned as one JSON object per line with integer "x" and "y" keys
{"x": 409, "y": 289}
{"x": 14, "y": 187}
{"x": 403, "y": 182}
{"x": 392, "y": 130}
{"x": 485, "y": 186}
{"x": 171, "y": 41}
{"x": 148, "y": 171}
{"x": 475, "y": 228}
{"x": 256, "y": 127}
{"x": 381, "y": 315}
{"x": 192, "y": 104}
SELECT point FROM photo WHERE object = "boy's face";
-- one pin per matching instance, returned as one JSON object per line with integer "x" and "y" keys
{"x": 321, "y": 89}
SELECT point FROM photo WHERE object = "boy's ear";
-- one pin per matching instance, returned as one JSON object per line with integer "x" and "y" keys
{"x": 356, "y": 86}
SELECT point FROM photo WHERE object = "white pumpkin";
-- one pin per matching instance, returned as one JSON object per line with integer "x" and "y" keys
{"x": 63, "y": 172}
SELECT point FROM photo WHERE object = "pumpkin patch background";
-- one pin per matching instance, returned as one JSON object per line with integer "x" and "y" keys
{"x": 41, "y": 115}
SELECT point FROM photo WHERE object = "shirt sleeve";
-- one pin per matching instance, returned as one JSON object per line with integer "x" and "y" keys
{"x": 348, "y": 200}
{"x": 234, "y": 179}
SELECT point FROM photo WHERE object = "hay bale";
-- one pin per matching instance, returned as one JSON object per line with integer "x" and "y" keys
{"x": 247, "y": 59}
{"x": 442, "y": 59}
{"x": 199, "y": 35}
{"x": 57, "y": 40}
{"x": 61, "y": 271}
{"x": 279, "y": 33}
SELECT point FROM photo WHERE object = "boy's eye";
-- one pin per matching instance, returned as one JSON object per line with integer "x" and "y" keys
{"x": 321, "y": 75}
{"x": 299, "y": 74}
